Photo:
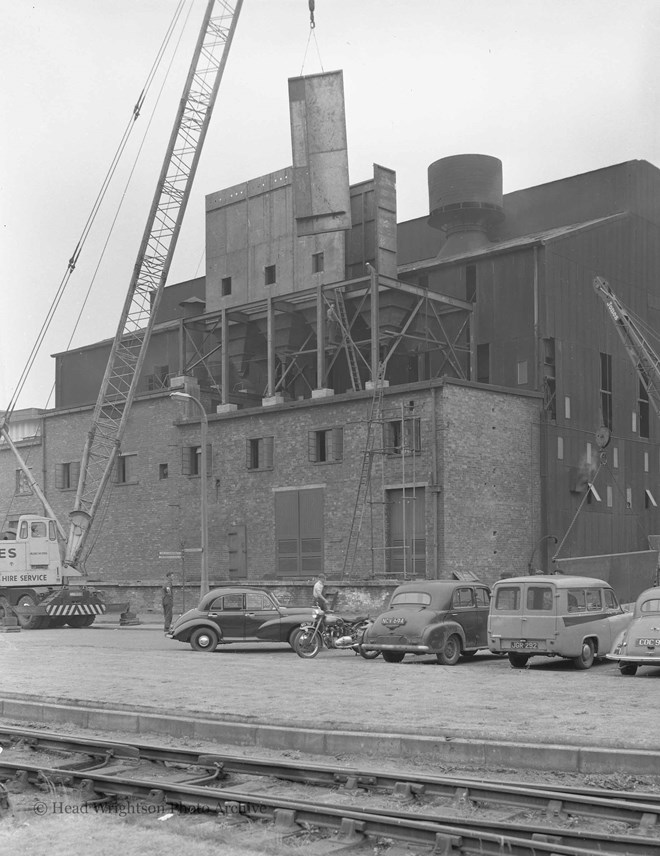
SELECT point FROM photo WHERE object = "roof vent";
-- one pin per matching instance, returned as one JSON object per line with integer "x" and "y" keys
{"x": 465, "y": 200}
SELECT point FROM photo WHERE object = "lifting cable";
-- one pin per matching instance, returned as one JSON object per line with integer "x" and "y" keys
{"x": 71, "y": 265}
{"x": 312, "y": 32}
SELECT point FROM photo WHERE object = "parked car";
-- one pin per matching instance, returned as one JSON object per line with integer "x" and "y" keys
{"x": 573, "y": 617}
{"x": 447, "y": 618}
{"x": 239, "y": 614}
{"x": 639, "y": 644}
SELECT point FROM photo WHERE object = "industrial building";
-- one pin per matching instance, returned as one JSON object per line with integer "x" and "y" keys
{"x": 450, "y": 387}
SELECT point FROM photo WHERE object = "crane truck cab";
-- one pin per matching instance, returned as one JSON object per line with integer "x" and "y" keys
{"x": 33, "y": 578}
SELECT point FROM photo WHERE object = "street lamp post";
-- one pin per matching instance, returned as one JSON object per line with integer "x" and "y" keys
{"x": 204, "y": 580}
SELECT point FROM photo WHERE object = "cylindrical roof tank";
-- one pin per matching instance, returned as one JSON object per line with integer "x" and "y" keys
{"x": 461, "y": 184}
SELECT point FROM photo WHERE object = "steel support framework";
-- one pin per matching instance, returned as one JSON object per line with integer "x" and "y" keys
{"x": 371, "y": 347}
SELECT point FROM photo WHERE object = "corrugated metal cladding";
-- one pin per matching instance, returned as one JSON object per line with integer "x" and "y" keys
{"x": 321, "y": 198}
{"x": 627, "y": 254}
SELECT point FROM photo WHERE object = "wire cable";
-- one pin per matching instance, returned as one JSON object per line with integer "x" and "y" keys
{"x": 71, "y": 265}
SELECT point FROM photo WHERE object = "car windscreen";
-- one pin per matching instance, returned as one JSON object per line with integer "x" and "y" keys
{"x": 419, "y": 598}
{"x": 539, "y": 598}
{"x": 650, "y": 606}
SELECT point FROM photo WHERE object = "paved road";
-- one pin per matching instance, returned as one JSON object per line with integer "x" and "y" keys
{"x": 481, "y": 698}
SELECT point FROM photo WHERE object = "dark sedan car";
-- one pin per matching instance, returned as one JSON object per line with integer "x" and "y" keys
{"x": 447, "y": 618}
{"x": 238, "y": 614}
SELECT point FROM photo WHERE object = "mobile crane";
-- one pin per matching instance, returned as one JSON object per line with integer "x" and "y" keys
{"x": 34, "y": 576}
{"x": 644, "y": 358}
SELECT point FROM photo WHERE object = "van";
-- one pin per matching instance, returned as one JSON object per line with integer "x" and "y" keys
{"x": 554, "y": 616}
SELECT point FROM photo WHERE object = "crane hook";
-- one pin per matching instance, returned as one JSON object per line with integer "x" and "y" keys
{"x": 311, "y": 15}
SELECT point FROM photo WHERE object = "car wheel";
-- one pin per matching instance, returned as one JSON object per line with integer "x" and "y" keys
{"x": 585, "y": 660}
{"x": 204, "y": 639}
{"x": 628, "y": 669}
{"x": 307, "y": 644}
{"x": 451, "y": 651}
{"x": 518, "y": 661}
{"x": 393, "y": 656}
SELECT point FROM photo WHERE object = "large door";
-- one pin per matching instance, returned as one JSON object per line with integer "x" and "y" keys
{"x": 406, "y": 537}
{"x": 299, "y": 532}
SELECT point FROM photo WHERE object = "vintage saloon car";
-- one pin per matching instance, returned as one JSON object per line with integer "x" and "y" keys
{"x": 238, "y": 614}
{"x": 639, "y": 644}
{"x": 447, "y": 618}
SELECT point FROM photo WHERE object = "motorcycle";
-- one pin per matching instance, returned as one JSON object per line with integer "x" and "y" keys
{"x": 332, "y": 631}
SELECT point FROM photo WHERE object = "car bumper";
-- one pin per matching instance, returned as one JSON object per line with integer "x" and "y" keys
{"x": 637, "y": 661}
{"x": 407, "y": 649}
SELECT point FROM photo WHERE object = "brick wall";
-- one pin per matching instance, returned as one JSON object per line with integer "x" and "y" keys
{"x": 478, "y": 467}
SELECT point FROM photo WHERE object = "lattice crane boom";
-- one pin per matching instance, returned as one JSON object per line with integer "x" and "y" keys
{"x": 151, "y": 268}
{"x": 640, "y": 351}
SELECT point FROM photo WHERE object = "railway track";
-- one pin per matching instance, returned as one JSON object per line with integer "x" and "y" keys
{"x": 100, "y": 771}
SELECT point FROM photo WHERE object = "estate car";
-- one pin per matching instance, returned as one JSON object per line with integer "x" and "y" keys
{"x": 639, "y": 644}
{"x": 447, "y": 618}
{"x": 238, "y": 614}
{"x": 554, "y": 616}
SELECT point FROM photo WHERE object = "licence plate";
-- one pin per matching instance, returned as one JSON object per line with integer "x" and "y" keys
{"x": 523, "y": 643}
{"x": 648, "y": 643}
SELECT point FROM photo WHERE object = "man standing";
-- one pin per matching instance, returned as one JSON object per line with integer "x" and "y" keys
{"x": 319, "y": 599}
{"x": 168, "y": 600}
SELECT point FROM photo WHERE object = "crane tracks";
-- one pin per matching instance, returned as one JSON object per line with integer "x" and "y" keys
{"x": 450, "y": 814}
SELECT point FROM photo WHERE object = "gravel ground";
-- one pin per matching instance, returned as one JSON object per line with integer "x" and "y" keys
{"x": 549, "y": 702}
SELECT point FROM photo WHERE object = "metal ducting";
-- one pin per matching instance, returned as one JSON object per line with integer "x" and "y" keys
{"x": 465, "y": 200}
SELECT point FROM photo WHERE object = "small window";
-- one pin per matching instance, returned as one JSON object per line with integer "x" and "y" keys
{"x": 225, "y": 286}
{"x": 232, "y": 602}
{"x": 163, "y": 471}
{"x": 483, "y": 363}
{"x": 508, "y": 598}
{"x": 628, "y": 497}
{"x": 259, "y": 453}
{"x": 191, "y": 460}
{"x": 633, "y": 422}
{"x": 270, "y": 275}
{"x": 649, "y": 500}
{"x": 125, "y": 469}
{"x": 522, "y": 372}
{"x": 610, "y": 496}
{"x": 646, "y": 462}
{"x": 594, "y": 600}
{"x": 22, "y": 484}
{"x": 67, "y": 475}
{"x": 482, "y": 597}
{"x": 403, "y": 436}
{"x": 326, "y": 445}
{"x": 610, "y": 599}
{"x": 317, "y": 262}
{"x": 567, "y": 407}
{"x": 644, "y": 414}
{"x": 560, "y": 448}
{"x": 576, "y": 600}
{"x": 253, "y": 600}
{"x": 38, "y": 529}
{"x": 615, "y": 457}
{"x": 540, "y": 598}
{"x": 463, "y": 597}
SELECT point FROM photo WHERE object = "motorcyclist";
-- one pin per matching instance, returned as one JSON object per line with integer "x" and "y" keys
{"x": 319, "y": 599}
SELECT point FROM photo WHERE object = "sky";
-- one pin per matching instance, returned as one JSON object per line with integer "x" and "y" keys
{"x": 551, "y": 87}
